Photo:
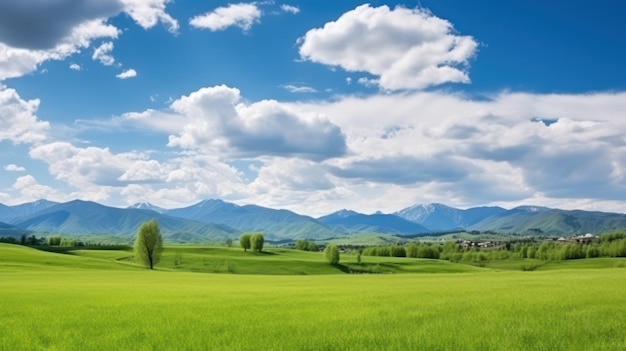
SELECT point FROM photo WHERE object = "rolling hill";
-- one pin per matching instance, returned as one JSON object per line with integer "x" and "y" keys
{"x": 541, "y": 220}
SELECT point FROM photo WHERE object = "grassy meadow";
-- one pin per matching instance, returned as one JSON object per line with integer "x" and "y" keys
{"x": 96, "y": 300}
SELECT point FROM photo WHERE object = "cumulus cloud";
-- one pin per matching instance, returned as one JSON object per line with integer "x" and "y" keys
{"x": 129, "y": 73}
{"x": 148, "y": 13}
{"x": 14, "y": 168}
{"x": 75, "y": 66}
{"x": 41, "y": 25}
{"x": 290, "y": 9}
{"x": 35, "y": 31}
{"x": 103, "y": 54}
{"x": 18, "y": 122}
{"x": 97, "y": 173}
{"x": 30, "y": 190}
{"x": 15, "y": 62}
{"x": 216, "y": 118}
{"x": 400, "y": 169}
{"x": 240, "y": 15}
{"x": 405, "y": 48}
{"x": 481, "y": 151}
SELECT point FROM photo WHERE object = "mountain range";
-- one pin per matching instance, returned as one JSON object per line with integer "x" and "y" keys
{"x": 216, "y": 220}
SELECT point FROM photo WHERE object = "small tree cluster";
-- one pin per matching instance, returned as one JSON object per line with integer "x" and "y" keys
{"x": 306, "y": 245}
{"x": 332, "y": 254}
{"x": 388, "y": 251}
{"x": 67, "y": 242}
{"x": 57, "y": 240}
{"x": 54, "y": 240}
{"x": 254, "y": 241}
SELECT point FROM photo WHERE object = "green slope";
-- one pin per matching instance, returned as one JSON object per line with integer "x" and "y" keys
{"x": 552, "y": 222}
{"x": 20, "y": 258}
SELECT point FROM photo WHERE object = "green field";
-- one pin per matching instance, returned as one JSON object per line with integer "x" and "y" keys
{"x": 98, "y": 300}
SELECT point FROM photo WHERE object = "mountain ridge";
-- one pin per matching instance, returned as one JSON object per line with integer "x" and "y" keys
{"x": 215, "y": 219}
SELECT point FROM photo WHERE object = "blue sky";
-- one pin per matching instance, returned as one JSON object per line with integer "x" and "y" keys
{"x": 314, "y": 108}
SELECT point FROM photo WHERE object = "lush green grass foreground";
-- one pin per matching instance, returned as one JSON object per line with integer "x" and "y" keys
{"x": 93, "y": 308}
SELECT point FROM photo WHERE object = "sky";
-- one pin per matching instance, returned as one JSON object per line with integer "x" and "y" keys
{"x": 314, "y": 106}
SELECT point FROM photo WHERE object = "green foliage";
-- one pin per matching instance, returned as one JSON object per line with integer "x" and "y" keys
{"x": 54, "y": 240}
{"x": 65, "y": 242}
{"x": 244, "y": 241}
{"x": 306, "y": 245}
{"x": 148, "y": 244}
{"x": 257, "y": 240}
{"x": 411, "y": 250}
{"x": 332, "y": 254}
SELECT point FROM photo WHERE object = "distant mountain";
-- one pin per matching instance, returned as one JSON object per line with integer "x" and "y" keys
{"x": 542, "y": 220}
{"x": 440, "y": 217}
{"x": 147, "y": 206}
{"x": 275, "y": 224}
{"x": 353, "y": 222}
{"x": 216, "y": 220}
{"x": 8, "y": 213}
{"x": 7, "y": 230}
{"x": 84, "y": 217}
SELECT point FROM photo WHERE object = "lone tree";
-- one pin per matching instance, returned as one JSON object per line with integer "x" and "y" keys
{"x": 257, "y": 241}
{"x": 149, "y": 244}
{"x": 244, "y": 241}
{"x": 332, "y": 254}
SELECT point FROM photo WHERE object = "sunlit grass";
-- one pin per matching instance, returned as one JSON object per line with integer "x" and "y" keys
{"x": 66, "y": 308}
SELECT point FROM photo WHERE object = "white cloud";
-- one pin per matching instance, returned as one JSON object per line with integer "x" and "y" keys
{"x": 30, "y": 190}
{"x": 147, "y": 13}
{"x": 16, "y": 62}
{"x": 217, "y": 119}
{"x": 299, "y": 88}
{"x": 14, "y": 168}
{"x": 44, "y": 25}
{"x": 18, "y": 122}
{"x": 368, "y": 82}
{"x": 290, "y": 9}
{"x": 32, "y": 31}
{"x": 129, "y": 73}
{"x": 239, "y": 15}
{"x": 102, "y": 54}
{"x": 75, "y": 66}
{"x": 405, "y": 48}
{"x": 85, "y": 167}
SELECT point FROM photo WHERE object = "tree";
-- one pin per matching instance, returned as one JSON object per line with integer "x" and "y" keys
{"x": 332, "y": 254}
{"x": 244, "y": 241}
{"x": 149, "y": 244}
{"x": 302, "y": 245}
{"x": 229, "y": 242}
{"x": 311, "y": 246}
{"x": 257, "y": 241}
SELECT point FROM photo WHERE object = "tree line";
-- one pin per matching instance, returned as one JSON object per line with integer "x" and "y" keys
{"x": 608, "y": 245}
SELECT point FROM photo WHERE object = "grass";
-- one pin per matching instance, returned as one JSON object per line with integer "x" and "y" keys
{"x": 108, "y": 304}
{"x": 533, "y": 264}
